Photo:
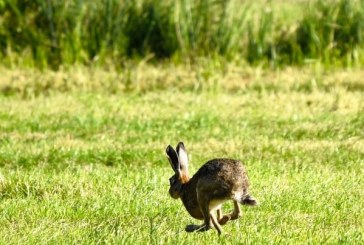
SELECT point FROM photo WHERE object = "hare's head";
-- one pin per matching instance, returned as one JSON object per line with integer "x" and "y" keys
{"x": 179, "y": 163}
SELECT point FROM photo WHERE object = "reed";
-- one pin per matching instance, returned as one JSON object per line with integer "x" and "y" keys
{"x": 51, "y": 33}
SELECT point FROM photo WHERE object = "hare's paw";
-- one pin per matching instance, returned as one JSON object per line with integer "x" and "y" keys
{"x": 192, "y": 228}
{"x": 224, "y": 219}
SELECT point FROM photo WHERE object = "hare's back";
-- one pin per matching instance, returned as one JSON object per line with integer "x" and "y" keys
{"x": 223, "y": 169}
{"x": 226, "y": 178}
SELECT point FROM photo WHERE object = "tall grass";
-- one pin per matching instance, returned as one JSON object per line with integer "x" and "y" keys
{"x": 332, "y": 30}
{"x": 52, "y": 33}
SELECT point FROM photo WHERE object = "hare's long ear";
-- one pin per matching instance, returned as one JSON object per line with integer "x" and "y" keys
{"x": 173, "y": 159}
{"x": 183, "y": 161}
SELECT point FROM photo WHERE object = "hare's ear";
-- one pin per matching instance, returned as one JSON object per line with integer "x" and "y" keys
{"x": 183, "y": 161}
{"x": 182, "y": 156}
{"x": 173, "y": 159}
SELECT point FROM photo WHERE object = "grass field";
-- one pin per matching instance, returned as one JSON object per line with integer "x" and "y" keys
{"x": 83, "y": 167}
{"x": 53, "y": 34}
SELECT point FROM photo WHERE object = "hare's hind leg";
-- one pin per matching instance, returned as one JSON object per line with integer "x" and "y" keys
{"x": 237, "y": 211}
{"x": 223, "y": 219}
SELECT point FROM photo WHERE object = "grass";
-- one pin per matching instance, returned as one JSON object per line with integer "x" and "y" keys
{"x": 53, "y": 34}
{"x": 80, "y": 166}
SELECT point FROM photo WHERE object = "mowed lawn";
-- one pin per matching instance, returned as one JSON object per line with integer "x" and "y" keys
{"x": 90, "y": 168}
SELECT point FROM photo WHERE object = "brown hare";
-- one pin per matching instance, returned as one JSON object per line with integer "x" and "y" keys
{"x": 217, "y": 181}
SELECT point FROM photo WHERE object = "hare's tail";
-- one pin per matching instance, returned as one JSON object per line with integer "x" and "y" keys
{"x": 249, "y": 200}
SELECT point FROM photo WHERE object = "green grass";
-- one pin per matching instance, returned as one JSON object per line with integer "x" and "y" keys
{"x": 86, "y": 167}
{"x": 53, "y": 34}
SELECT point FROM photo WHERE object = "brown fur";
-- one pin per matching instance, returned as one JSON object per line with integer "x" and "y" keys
{"x": 217, "y": 181}
{"x": 184, "y": 178}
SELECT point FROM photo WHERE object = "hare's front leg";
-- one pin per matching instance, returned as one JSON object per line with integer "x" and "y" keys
{"x": 201, "y": 198}
{"x": 209, "y": 216}
{"x": 203, "y": 202}
{"x": 215, "y": 223}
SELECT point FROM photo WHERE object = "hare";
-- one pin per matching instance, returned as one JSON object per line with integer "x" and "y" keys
{"x": 217, "y": 181}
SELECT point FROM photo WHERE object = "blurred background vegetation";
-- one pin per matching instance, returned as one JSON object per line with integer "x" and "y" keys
{"x": 53, "y": 33}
